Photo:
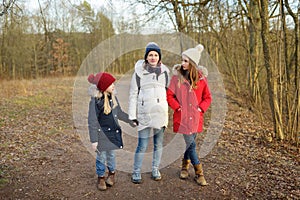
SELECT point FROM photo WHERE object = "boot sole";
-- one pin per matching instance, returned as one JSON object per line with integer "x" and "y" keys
{"x": 136, "y": 181}
{"x": 200, "y": 183}
{"x": 183, "y": 177}
{"x": 101, "y": 189}
{"x": 156, "y": 178}
{"x": 109, "y": 185}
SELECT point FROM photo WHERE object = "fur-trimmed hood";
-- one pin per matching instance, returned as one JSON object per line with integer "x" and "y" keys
{"x": 94, "y": 92}
{"x": 203, "y": 71}
{"x": 147, "y": 97}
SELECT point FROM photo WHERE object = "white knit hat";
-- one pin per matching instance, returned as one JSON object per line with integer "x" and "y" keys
{"x": 194, "y": 54}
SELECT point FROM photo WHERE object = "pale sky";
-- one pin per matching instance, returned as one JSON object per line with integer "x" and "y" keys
{"x": 94, "y": 3}
{"x": 116, "y": 9}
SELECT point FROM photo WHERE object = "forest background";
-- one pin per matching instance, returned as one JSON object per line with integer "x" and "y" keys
{"x": 254, "y": 43}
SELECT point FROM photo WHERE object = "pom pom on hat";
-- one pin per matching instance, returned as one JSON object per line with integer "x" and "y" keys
{"x": 102, "y": 80}
{"x": 152, "y": 46}
{"x": 91, "y": 78}
{"x": 194, "y": 54}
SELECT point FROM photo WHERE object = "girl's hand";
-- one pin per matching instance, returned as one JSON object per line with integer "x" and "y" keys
{"x": 94, "y": 145}
{"x": 134, "y": 123}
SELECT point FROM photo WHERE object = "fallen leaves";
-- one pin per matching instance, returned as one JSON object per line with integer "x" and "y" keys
{"x": 38, "y": 143}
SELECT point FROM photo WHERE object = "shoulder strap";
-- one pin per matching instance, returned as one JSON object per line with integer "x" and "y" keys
{"x": 166, "y": 77}
{"x": 138, "y": 82}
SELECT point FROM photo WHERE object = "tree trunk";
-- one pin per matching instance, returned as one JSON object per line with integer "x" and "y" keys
{"x": 295, "y": 100}
{"x": 2, "y": 56}
{"x": 254, "y": 85}
{"x": 287, "y": 111}
{"x": 181, "y": 24}
{"x": 271, "y": 76}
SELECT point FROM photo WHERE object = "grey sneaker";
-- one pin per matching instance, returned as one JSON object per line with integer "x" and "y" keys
{"x": 156, "y": 175}
{"x": 136, "y": 178}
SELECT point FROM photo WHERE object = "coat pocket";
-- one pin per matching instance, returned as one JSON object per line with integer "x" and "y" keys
{"x": 176, "y": 120}
{"x": 143, "y": 115}
{"x": 110, "y": 139}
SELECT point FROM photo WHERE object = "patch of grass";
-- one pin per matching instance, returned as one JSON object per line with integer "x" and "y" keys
{"x": 3, "y": 179}
{"x": 27, "y": 88}
{"x": 38, "y": 100}
{"x": 2, "y": 122}
{"x": 52, "y": 131}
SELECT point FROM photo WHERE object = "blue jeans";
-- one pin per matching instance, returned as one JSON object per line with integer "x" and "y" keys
{"x": 190, "y": 151}
{"x": 158, "y": 136}
{"x": 103, "y": 157}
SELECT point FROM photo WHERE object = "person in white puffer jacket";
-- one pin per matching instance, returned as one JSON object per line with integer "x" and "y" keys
{"x": 148, "y": 107}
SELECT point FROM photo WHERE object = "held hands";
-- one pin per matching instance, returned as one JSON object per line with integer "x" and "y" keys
{"x": 94, "y": 146}
{"x": 134, "y": 123}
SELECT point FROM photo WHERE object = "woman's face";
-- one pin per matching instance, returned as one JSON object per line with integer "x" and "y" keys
{"x": 185, "y": 62}
{"x": 153, "y": 58}
{"x": 111, "y": 88}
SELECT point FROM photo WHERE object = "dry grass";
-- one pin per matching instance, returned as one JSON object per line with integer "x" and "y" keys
{"x": 26, "y": 88}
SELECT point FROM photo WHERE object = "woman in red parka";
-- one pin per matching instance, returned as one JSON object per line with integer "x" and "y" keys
{"x": 189, "y": 97}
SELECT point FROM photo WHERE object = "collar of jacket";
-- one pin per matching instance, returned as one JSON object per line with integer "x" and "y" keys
{"x": 176, "y": 71}
{"x": 139, "y": 68}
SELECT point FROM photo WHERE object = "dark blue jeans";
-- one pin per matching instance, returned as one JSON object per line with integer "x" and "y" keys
{"x": 190, "y": 151}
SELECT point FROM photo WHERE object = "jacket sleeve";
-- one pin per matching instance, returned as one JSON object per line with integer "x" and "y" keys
{"x": 121, "y": 114}
{"x": 171, "y": 96}
{"x": 133, "y": 95}
{"x": 206, "y": 98}
{"x": 93, "y": 123}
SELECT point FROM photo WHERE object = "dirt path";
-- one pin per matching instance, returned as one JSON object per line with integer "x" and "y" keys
{"x": 42, "y": 157}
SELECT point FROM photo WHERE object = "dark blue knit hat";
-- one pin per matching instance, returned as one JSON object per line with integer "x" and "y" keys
{"x": 152, "y": 46}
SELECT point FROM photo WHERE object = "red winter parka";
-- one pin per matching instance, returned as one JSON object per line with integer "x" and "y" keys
{"x": 188, "y": 105}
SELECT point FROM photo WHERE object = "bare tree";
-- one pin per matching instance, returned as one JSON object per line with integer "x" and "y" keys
{"x": 252, "y": 13}
{"x": 293, "y": 100}
{"x": 5, "y": 6}
{"x": 254, "y": 46}
{"x": 271, "y": 73}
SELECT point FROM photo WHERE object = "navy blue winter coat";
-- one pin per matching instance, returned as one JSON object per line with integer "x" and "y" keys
{"x": 105, "y": 129}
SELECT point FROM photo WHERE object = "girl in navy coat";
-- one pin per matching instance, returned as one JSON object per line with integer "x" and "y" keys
{"x": 104, "y": 129}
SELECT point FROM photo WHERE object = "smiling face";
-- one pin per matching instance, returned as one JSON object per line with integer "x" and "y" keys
{"x": 153, "y": 58}
{"x": 185, "y": 62}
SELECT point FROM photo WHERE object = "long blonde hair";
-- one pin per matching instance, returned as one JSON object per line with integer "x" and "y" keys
{"x": 107, "y": 108}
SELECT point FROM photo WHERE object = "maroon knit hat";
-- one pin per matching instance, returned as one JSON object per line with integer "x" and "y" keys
{"x": 102, "y": 79}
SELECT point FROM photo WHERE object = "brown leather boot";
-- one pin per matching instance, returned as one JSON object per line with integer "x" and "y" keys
{"x": 101, "y": 183}
{"x": 199, "y": 176}
{"x": 184, "y": 173}
{"x": 110, "y": 181}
